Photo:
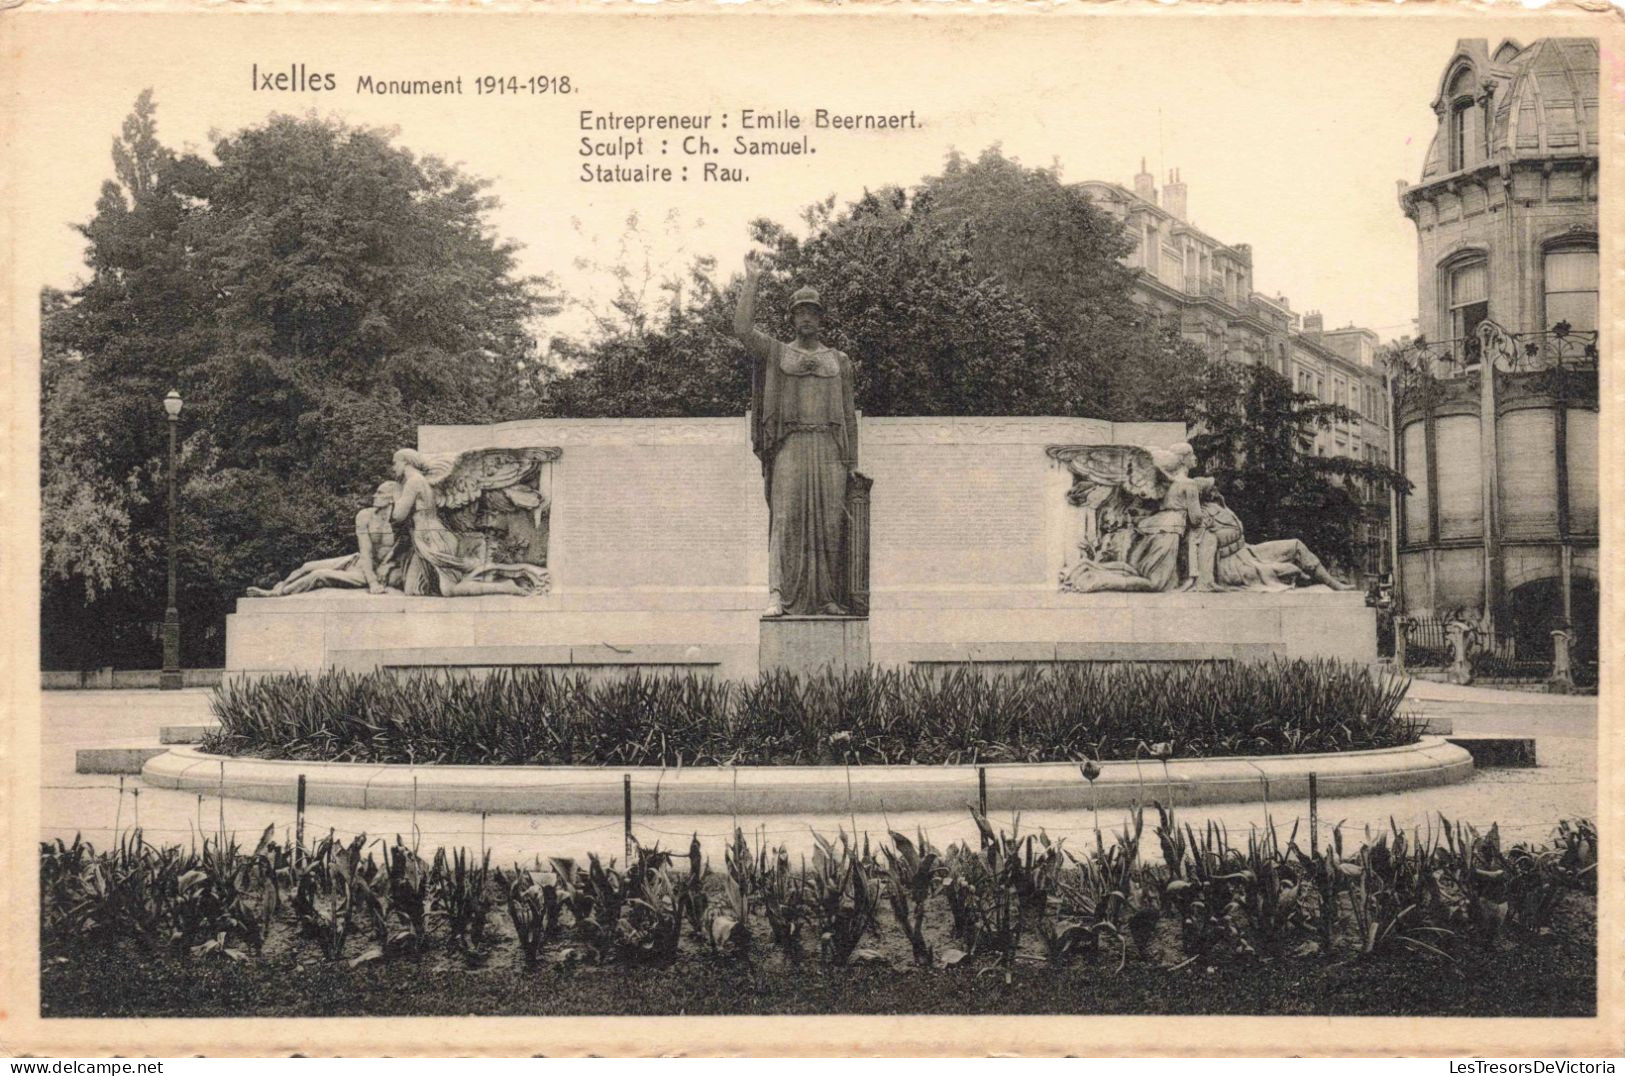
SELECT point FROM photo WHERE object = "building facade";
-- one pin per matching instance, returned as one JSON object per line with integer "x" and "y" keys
{"x": 1496, "y": 403}
{"x": 1192, "y": 282}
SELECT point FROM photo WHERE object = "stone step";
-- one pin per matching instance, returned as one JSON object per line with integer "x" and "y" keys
{"x": 1497, "y": 749}
{"x": 173, "y": 734}
{"x": 114, "y": 759}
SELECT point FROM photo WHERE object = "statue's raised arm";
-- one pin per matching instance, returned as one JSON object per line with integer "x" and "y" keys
{"x": 758, "y": 343}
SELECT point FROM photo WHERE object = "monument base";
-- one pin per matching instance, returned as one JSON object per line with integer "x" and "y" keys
{"x": 720, "y": 632}
{"x": 709, "y": 632}
{"x": 812, "y": 645}
{"x": 1012, "y": 626}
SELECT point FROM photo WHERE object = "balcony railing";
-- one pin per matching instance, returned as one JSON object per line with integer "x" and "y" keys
{"x": 1422, "y": 361}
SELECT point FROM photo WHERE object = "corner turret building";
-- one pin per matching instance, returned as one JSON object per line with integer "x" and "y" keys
{"x": 1496, "y": 405}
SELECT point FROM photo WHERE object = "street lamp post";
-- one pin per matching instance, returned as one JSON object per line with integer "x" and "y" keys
{"x": 170, "y": 679}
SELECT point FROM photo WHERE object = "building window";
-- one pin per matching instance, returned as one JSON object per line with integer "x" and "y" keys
{"x": 1173, "y": 267}
{"x": 1460, "y": 120}
{"x": 1571, "y": 288}
{"x": 1463, "y": 139}
{"x": 1469, "y": 299}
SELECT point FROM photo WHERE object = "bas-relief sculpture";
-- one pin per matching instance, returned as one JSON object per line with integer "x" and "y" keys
{"x": 1277, "y": 565}
{"x": 452, "y": 525}
{"x": 376, "y": 564}
{"x": 1152, "y": 526}
{"x": 804, "y": 429}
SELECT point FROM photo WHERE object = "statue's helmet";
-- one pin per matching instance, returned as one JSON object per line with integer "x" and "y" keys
{"x": 807, "y": 296}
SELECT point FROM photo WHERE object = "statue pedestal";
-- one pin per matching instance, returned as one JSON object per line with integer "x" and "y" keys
{"x": 812, "y": 645}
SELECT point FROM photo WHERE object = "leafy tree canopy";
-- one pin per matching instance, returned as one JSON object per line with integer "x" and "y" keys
{"x": 1258, "y": 440}
{"x": 314, "y": 292}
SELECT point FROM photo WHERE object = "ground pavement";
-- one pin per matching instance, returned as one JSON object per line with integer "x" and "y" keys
{"x": 1525, "y": 802}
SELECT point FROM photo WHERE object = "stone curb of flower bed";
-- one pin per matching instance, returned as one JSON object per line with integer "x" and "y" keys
{"x": 766, "y": 790}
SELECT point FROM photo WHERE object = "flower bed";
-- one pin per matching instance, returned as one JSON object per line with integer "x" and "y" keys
{"x": 1126, "y": 929}
{"x": 1106, "y": 711}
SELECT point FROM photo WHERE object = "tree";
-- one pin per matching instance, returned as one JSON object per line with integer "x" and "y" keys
{"x": 991, "y": 289}
{"x": 661, "y": 347}
{"x": 1050, "y": 245}
{"x": 314, "y": 292}
{"x": 1257, "y": 441}
{"x": 929, "y": 333}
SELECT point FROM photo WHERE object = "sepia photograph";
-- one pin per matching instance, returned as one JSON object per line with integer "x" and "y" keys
{"x": 777, "y": 513}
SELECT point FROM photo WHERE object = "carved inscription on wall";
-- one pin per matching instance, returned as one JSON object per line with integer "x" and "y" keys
{"x": 983, "y": 431}
{"x": 957, "y": 515}
{"x": 644, "y": 516}
{"x": 591, "y": 431}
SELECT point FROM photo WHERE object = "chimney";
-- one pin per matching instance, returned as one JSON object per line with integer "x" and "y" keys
{"x": 1173, "y": 195}
{"x": 1145, "y": 184}
{"x": 1313, "y": 323}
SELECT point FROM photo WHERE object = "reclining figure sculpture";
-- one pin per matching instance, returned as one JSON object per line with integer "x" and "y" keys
{"x": 452, "y": 525}
{"x": 1152, "y": 526}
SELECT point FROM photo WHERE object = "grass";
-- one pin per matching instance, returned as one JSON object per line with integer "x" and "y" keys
{"x": 1171, "y": 920}
{"x": 877, "y": 716}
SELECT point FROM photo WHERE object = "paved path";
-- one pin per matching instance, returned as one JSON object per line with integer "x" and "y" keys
{"x": 1525, "y": 802}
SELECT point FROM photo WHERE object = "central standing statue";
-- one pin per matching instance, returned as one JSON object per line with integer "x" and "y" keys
{"x": 804, "y": 429}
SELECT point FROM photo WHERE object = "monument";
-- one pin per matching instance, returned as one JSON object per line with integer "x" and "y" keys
{"x": 733, "y": 546}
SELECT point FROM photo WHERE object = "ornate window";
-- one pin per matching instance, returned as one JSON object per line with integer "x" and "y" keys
{"x": 1571, "y": 287}
{"x": 1462, "y": 131}
{"x": 1468, "y": 301}
{"x": 1460, "y": 121}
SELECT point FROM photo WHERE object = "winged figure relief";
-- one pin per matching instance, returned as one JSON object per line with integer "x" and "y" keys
{"x": 478, "y": 521}
{"x": 453, "y": 525}
{"x": 1150, "y": 525}
{"x": 1138, "y": 504}
{"x": 493, "y": 500}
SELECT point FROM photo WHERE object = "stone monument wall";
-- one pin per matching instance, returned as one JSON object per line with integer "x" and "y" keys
{"x": 657, "y": 549}
{"x": 666, "y": 504}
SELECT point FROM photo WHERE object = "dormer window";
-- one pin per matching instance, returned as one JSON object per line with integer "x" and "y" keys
{"x": 1460, "y": 120}
{"x": 1462, "y": 133}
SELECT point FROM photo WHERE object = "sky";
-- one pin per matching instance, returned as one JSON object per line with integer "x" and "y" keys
{"x": 1290, "y": 133}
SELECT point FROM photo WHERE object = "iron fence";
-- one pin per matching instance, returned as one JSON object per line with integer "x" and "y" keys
{"x": 1427, "y": 645}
